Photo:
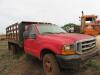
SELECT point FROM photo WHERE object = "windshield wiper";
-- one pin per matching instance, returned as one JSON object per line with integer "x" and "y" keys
{"x": 47, "y": 33}
{"x": 61, "y": 33}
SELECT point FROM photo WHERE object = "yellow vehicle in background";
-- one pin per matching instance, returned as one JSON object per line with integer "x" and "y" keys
{"x": 89, "y": 25}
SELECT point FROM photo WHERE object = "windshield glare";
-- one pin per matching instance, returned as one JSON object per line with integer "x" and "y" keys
{"x": 50, "y": 29}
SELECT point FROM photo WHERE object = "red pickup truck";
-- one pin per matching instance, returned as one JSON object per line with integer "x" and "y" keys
{"x": 49, "y": 43}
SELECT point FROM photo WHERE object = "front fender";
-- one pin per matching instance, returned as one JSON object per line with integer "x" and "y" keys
{"x": 49, "y": 47}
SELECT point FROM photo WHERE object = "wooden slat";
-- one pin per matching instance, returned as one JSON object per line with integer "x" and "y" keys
{"x": 12, "y": 32}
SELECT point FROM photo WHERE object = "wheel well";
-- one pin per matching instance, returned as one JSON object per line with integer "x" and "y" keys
{"x": 45, "y": 51}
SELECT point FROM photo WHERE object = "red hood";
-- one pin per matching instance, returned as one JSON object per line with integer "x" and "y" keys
{"x": 68, "y": 38}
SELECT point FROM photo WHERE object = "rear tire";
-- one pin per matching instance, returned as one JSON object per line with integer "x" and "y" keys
{"x": 12, "y": 48}
{"x": 50, "y": 65}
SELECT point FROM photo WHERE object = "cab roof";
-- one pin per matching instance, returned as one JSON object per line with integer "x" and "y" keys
{"x": 29, "y": 22}
{"x": 89, "y": 16}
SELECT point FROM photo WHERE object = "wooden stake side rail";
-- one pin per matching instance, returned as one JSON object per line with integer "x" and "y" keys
{"x": 12, "y": 32}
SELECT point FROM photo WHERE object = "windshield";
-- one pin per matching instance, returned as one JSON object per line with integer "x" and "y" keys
{"x": 90, "y": 20}
{"x": 50, "y": 29}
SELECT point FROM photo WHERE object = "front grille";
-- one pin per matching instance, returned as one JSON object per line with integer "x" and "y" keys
{"x": 85, "y": 45}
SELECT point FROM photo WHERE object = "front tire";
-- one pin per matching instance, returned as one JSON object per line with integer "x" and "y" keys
{"x": 50, "y": 65}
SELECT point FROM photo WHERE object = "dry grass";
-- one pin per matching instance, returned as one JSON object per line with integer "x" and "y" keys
{"x": 2, "y": 37}
{"x": 95, "y": 64}
{"x": 3, "y": 45}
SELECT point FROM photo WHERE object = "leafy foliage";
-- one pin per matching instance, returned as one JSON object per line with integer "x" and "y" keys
{"x": 71, "y": 27}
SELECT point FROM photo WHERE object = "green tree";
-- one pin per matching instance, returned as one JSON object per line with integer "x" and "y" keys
{"x": 69, "y": 27}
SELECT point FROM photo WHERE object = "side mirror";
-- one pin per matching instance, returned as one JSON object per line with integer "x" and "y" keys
{"x": 32, "y": 36}
{"x": 25, "y": 35}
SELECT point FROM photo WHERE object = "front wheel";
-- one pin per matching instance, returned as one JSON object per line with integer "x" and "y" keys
{"x": 50, "y": 65}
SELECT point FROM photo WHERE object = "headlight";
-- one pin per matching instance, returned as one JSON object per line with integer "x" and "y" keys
{"x": 68, "y": 47}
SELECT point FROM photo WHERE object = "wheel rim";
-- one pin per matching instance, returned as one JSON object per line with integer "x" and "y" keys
{"x": 48, "y": 67}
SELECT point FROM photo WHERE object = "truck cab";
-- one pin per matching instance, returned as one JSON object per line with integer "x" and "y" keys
{"x": 97, "y": 27}
{"x": 89, "y": 25}
{"x": 53, "y": 46}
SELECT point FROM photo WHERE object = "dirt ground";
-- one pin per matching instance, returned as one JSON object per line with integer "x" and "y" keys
{"x": 23, "y": 65}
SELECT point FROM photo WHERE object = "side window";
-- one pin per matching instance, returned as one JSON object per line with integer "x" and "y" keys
{"x": 31, "y": 32}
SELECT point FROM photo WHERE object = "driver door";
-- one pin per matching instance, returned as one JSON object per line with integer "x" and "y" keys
{"x": 29, "y": 43}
